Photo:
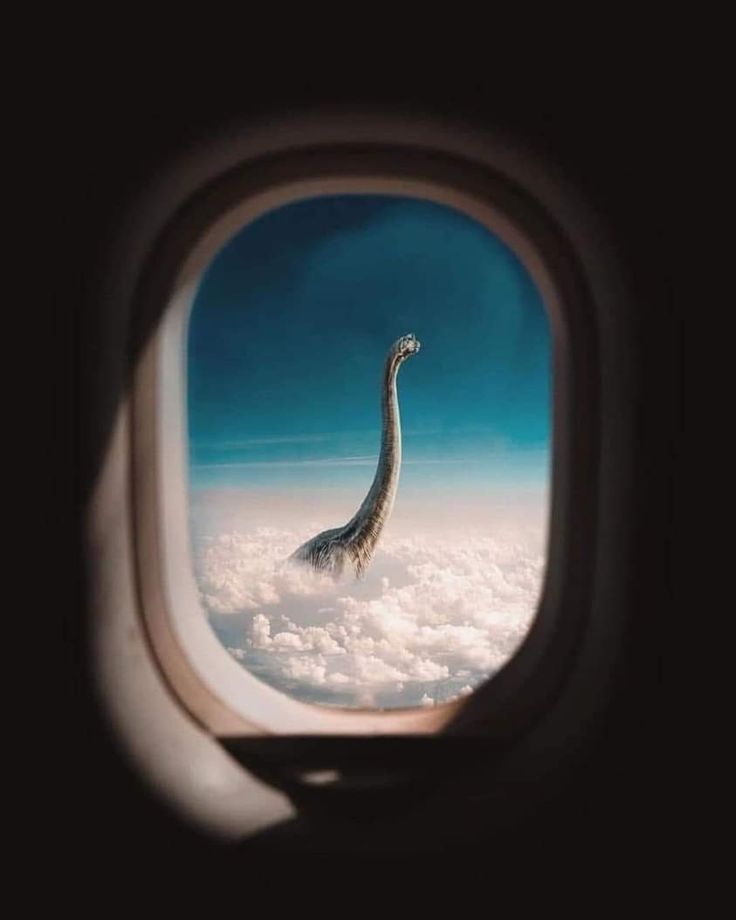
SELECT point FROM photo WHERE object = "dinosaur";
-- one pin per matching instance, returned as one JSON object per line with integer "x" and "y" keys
{"x": 354, "y": 543}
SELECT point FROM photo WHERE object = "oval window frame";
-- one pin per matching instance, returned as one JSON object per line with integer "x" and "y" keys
{"x": 196, "y": 665}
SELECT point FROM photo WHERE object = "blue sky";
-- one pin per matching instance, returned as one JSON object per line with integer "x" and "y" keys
{"x": 289, "y": 332}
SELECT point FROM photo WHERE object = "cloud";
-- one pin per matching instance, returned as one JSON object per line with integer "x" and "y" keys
{"x": 238, "y": 572}
{"x": 357, "y": 460}
{"x": 242, "y": 443}
{"x": 362, "y": 460}
{"x": 436, "y": 615}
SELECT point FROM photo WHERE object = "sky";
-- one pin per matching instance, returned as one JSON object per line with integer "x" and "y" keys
{"x": 287, "y": 339}
{"x": 292, "y": 323}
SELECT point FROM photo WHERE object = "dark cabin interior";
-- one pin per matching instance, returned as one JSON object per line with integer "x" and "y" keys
{"x": 605, "y": 809}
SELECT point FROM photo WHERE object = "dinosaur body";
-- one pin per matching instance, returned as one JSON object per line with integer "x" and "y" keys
{"x": 353, "y": 544}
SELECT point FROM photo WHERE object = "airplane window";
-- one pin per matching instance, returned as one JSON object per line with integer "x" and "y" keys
{"x": 369, "y": 423}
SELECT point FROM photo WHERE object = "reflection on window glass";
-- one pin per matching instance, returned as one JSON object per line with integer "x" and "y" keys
{"x": 369, "y": 427}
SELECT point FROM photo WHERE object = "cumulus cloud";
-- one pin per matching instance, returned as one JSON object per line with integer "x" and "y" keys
{"x": 240, "y": 572}
{"x": 436, "y": 615}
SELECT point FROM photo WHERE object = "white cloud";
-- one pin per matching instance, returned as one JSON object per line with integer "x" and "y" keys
{"x": 436, "y": 609}
{"x": 260, "y": 631}
{"x": 238, "y": 572}
{"x": 311, "y": 670}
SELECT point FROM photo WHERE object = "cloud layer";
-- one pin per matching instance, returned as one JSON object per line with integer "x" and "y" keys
{"x": 436, "y": 614}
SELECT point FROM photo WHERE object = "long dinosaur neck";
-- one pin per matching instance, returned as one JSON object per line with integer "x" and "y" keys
{"x": 367, "y": 523}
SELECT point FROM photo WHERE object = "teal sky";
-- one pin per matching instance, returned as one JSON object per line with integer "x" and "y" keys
{"x": 291, "y": 325}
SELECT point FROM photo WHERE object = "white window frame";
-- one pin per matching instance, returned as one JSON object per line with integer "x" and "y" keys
{"x": 225, "y": 696}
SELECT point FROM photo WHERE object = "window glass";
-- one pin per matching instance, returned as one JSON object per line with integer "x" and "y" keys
{"x": 369, "y": 395}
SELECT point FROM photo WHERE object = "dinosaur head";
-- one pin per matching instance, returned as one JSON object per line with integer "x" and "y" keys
{"x": 406, "y": 346}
